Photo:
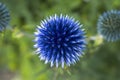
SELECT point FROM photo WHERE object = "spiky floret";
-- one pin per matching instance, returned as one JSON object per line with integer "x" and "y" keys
{"x": 109, "y": 25}
{"x": 60, "y": 40}
{"x": 4, "y": 17}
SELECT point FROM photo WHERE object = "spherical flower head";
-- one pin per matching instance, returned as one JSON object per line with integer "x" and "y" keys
{"x": 4, "y": 17}
{"x": 109, "y": 25}
{"x": 60, "y": 40}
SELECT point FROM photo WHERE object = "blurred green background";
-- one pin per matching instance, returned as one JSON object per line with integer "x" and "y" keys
{"x": 18, "y": 62}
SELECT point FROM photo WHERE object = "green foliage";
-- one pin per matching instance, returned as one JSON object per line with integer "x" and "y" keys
{"x": 100, "y": 62}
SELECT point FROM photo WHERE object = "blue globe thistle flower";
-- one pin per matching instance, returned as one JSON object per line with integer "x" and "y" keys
{"x": 109, "y": 25}
{"x": 4, "y": 17}
{"x": 60, "y": 40}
